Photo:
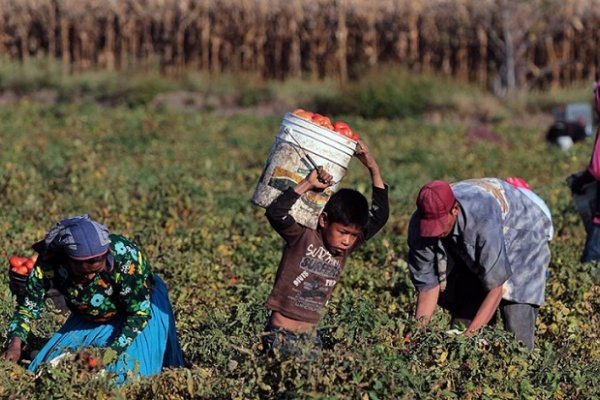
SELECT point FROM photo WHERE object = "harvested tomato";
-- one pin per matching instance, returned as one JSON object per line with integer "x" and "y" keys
{"x": 322, "y": 120}
{"x": 303, "y": 114}
{"x": 344, "y": 129}
{"x": 92, "y": 363}
{"x": 16, "y": 261}
{"x": 21, "y": 270}
{"x": 339, "y": 126}
{"x": 354, "y": 136}
{"x": 29, "y": 264}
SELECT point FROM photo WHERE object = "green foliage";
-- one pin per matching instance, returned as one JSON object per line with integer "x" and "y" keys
{"x": 38, "y": 74}
{"x": 180, "y": 184}
{"x": 385, "y": 93}
{"x": 536, "y": 100}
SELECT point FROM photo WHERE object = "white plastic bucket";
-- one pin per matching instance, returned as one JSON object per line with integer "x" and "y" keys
{"x": 288, "y": 163}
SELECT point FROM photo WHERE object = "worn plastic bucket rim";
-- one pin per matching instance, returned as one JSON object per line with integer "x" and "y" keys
{"x": 15, "y": 276}
{"x": 307, "y": 124}
{"x": 347, "y": 151}
{"x": 321, "y": 130}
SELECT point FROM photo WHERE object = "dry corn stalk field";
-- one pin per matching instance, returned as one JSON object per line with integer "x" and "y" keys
{"x": 501, "y": 44}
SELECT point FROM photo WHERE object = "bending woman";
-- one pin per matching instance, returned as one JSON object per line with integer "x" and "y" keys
{"x": 115, "y": 300}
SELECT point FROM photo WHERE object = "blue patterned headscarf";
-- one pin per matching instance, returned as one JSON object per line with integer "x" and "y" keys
{"x": 79, "y": 237}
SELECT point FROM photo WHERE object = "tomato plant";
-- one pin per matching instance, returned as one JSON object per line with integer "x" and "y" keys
{"x": 179, "y": 183}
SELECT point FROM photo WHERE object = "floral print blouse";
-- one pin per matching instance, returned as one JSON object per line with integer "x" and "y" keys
{"x": 124, "y": 288}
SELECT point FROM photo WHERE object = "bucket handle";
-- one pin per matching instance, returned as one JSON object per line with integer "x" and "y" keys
{"x": 290, "y": 131}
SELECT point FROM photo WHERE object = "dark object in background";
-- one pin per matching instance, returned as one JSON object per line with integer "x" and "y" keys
{"x": 572, "y": 123}
{"x": 564, "y": 134}
{"x": 581, "y": 113}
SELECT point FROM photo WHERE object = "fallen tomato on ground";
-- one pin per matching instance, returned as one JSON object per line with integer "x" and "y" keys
{"x": 92, "y": 363}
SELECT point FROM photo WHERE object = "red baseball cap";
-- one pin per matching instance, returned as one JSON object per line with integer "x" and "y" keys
{"x": 434, "y": 202}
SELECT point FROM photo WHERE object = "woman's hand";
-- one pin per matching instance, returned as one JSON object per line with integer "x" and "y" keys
{"x": 13, "y": 350}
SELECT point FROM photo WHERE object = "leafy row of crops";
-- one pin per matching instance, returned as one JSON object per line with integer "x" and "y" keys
{"x": 180, "y": 183}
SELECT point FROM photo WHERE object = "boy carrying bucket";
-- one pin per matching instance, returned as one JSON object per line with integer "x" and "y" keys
{"x": 313, "y": 260}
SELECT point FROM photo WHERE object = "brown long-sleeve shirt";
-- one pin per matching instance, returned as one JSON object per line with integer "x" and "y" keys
{"x": 308, "y": 272}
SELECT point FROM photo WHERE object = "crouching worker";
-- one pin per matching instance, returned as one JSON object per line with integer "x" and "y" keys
{"x": 313, "y": 260}
{"x": 114, "y": 298}
{"x": 478, "y": 245}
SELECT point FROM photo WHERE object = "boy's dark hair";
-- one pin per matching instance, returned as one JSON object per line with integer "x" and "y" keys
{"x": 348, "y": 207}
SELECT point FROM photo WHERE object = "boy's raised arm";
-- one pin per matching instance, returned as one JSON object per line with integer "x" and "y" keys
{"x": 278, "y": 212}
{"x": 380, "y": 209}
{"x": 318, "y": 179}
{"x": 366, "y": 158}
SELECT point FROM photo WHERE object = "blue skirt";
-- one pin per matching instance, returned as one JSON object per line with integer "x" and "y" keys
{"x": 155, "y": 348}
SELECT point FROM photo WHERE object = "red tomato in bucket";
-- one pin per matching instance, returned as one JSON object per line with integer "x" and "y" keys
{"x": 29, "y": 264}
{"x": 22, "y": 265}
{"x": 341, "y": 127}
{"x": 354, "y": 136}
{"x": 16, "y": 261}
{"x": 322, "y": 120}
{"x": 21, "y": 271}
{"x": 344, "y": 129}
{"x": 303, "y": 114}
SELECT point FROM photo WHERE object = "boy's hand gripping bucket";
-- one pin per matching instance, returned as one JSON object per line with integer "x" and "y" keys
{"x": 299, "y": 142}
